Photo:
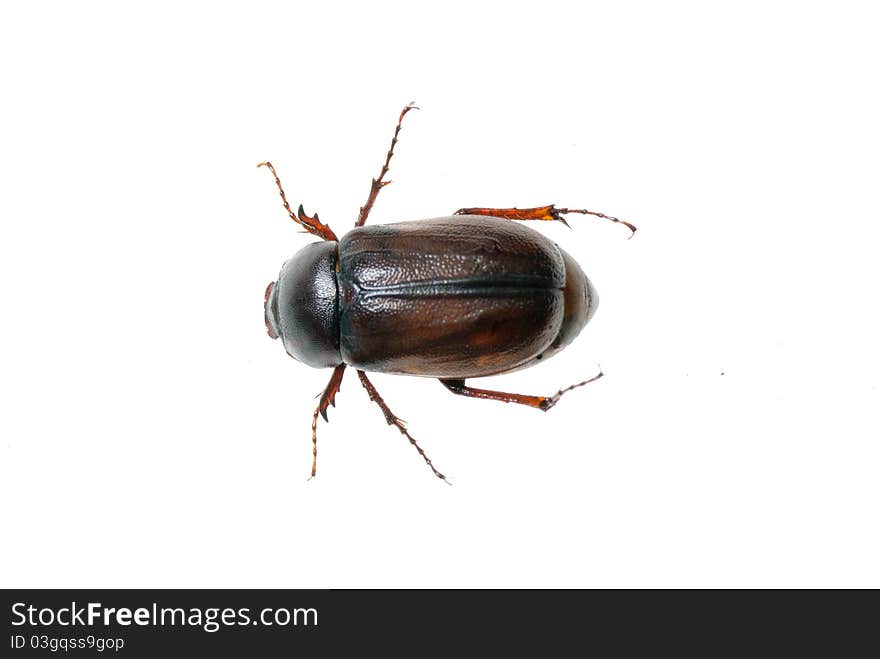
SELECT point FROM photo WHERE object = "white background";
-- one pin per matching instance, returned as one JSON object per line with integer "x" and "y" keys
{"x": 152, "y": 435}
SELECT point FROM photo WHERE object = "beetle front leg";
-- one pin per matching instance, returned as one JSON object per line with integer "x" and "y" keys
{"x": 379, "y": 183}
{"x": 394, "y": 421}
{"x": 544, "y": 213}
{"x": 311, "y": 224}
{"x": 327, "y": 398}
{"x": 540, "y": 402}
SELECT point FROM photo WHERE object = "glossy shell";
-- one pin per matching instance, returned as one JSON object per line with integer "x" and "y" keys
{"x": 301, "y": 307}
{"x": 456, "y": 297}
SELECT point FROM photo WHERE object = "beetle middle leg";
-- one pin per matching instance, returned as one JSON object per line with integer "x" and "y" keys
{"x": 545, "y": 213}
{"x": 394, "y": 421}
{"x": 327, "y": 398}
{"x": 311, "y": 224}
{"x": 379, "y": 183}
{"x": 540, "y": 402}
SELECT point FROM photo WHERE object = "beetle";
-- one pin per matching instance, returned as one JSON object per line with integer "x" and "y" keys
{"x": 452, "y": 298}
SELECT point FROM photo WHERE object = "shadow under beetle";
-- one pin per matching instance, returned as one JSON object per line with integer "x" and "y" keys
{"x": 451, "y": 298}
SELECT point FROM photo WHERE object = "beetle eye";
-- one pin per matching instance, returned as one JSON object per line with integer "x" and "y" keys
{"x": 268, "y": 312}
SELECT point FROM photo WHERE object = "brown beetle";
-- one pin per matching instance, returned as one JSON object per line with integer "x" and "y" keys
{"x": 451, "y": 298}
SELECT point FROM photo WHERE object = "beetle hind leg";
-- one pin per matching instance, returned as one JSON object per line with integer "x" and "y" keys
{"x": 394, "y": 421}
{"x": 544, "y": 213}
{"x": 328, "y": 398}
{"x": 539, "y": 402}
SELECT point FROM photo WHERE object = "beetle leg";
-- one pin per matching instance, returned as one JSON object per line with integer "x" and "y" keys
{"x": 379, "y": 183}
{"x": 545, "y": 213}
{"x": 394, "y": 421}
{"x": 540, "y": 402}
{"x": 311, "y": 224}
{"x": 327, "y": 398}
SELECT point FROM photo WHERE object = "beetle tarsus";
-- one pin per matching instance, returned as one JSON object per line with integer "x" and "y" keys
{"x": 311, "y": 224}
{"x": 379, "y": 183}
{"x": 314, "y": 444}
{"x": 583, "y": 211}
{"x": 394, "y": 421}
{"x": 327, "y": 398}
{"x": 552, "y": 400}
